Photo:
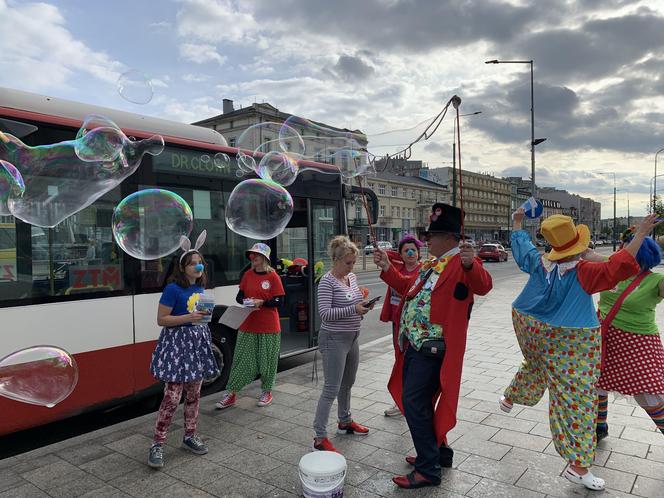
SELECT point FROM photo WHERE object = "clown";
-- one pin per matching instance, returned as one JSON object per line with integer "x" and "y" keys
{"x": 558, "y": 333}
{"x": 633, "y": 359}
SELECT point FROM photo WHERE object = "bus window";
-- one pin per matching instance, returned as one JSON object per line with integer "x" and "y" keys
{"x": 223, "y": 249}
{"x": 7, "y": 252}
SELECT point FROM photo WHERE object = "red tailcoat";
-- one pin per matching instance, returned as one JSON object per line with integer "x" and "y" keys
{"x": 451, "y": 303}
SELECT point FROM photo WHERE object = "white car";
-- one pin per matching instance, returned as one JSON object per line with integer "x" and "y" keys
{"x": 385, "y": 246}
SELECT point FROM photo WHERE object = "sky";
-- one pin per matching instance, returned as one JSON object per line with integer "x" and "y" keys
{"x": 380, "y": 65}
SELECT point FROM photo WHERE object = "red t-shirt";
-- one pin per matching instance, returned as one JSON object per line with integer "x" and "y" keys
{"x": 265, "y": 286}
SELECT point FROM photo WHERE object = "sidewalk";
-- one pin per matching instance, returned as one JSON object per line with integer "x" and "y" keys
{"x": 254, "y": 451}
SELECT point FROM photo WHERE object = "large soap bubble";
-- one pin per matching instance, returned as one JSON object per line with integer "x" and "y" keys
{"x": 58, "y": 183}
{"x": 11, "y": 184}
{"x": 259, "y": 209}
{"x": 148, "y": 224}
{"x": 40, "y": 375}
{"x": 279, "y": 167}
{"x": 135, "y": 87}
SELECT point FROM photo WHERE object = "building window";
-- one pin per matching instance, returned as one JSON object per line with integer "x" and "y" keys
{"x": 231, "y": 142}
{"x": 394, "y": 191}
{"x": 358, "y": 212}
{"x": 412, "y": 194}
{"x": 398, "y": 212}
{"x": 382, "y": 211}
{"x": 267, "y": 144}
{"x": 381, "y": 189}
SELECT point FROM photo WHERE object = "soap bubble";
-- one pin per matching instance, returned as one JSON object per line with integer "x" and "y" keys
{"x": 11, "y": 184}
{"x": 221, "y": 160}
{"x": 58, "y": 183}
{"x": 259, "y": 209}
{"x": 148, "y": 224}
{"x": 278, "y": 167}
{"x": 205, "y": 159}
{"x": 40, "y": 375}
{"x": 135, "y": 87}
{"x": 246, "y": 163}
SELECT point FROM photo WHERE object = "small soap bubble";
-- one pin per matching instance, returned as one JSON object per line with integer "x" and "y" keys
{"x": 259, "y": 209}
{"x": 40, "y": 375}
{"x": 278, "y": 167}
{"x": 135, "y": 87}
{"x": 11, "y": 184}
{"x": 221, "y": 160}
{"x": 246, "y": 163}
{"x": 148, "y": 224}
{"x": 205, "y": 159}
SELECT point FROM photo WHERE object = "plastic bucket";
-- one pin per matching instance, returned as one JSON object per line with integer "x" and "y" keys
{"x": 322, "y": 474}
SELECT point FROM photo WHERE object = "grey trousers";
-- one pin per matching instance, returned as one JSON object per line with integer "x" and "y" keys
{"x": 341, "y": 357}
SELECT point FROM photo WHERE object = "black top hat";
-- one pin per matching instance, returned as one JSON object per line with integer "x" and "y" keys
{"x": 445, "y": 219}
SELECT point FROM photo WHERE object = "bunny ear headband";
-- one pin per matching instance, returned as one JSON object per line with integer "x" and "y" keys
{"x": 185, "y": 244}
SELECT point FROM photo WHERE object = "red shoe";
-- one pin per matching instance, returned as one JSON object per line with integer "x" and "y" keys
{"x": 226, "y": 401}
{"x": 410, "y": 459}
{"x": 413, "y": 480}
{"x": 352, "y": 428}
{"x": 325, "y": 445}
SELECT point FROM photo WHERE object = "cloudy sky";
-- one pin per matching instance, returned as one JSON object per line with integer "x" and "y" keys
{"x": 380, "y": 65}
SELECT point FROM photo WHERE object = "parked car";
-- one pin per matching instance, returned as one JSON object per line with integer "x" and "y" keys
{"x": 368, "y": 249}
{"x": 493, "y": 252}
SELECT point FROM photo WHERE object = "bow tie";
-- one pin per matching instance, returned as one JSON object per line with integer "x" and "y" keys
{"x": 435, "y": 264}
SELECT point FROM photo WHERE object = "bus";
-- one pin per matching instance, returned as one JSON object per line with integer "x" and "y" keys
{"x": 100, "y": 305}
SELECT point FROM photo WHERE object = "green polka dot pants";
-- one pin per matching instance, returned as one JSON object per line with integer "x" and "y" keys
{"x": 255, "y": 354}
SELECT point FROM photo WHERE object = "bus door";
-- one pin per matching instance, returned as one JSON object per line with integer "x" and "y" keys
{"x": 292, "y": 256}
{"x": 325, "y": 223}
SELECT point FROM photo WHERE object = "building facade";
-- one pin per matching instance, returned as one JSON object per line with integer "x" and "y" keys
{"x": 581, "y": 209}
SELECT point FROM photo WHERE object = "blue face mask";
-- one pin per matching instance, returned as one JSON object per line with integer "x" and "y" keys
{"x": 410, "y": 252}
{"x": 199, "y": 267}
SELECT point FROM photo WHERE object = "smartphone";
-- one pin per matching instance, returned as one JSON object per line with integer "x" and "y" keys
{"x": 370, "y": 303}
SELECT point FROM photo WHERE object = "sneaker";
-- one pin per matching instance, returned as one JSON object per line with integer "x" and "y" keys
{"x": 352, "y": 428}
{"x": 602, "y": 430}
{"x": 325, "y": 445}
{"x": 195, "y": 445}
{"x": 226, "y": 401}
{"x": 156, "y": 456}
{"x": 505, "y": 405}
{"x": 265, "y": 398}
{"x": 393, "y": 411}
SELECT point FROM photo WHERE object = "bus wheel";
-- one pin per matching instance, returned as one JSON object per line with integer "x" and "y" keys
{"x": 222, "y": 353}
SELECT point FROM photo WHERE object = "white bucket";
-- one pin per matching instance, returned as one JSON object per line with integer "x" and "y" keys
{"x": 322, "y": 474}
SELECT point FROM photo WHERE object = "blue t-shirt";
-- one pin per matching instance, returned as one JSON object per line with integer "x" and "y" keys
{"x": 183, "y": 301}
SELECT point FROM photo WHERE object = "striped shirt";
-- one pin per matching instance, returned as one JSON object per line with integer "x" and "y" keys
{"x": 336, "y": 303}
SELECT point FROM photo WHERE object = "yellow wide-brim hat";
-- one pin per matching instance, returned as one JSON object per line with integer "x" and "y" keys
{"x": 565, "y": 239}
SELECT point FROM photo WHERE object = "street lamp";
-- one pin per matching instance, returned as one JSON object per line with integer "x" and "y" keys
{"x": 654, "y": 190}
{"x": 454, "y": 178}
{"x": 615, "y": 228}
{"x": 652, "y": 194}
{"x": 533, "y": 142}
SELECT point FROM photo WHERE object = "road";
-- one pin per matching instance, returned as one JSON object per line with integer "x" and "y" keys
{"x": 372, "y": 329}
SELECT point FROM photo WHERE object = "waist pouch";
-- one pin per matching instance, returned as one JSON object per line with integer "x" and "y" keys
{"x": 434, "y": 348}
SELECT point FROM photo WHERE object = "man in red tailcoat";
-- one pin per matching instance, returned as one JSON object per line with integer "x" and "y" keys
{"x": 434, "y": 313}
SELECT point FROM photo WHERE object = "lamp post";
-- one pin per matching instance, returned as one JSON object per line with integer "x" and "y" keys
{"x": 614, "y": 209}
{"x": 454, "y": 178}
{"x": 654, "y": 178}
{"x": 533, "y": 142}
{"x": 652, "y": 194}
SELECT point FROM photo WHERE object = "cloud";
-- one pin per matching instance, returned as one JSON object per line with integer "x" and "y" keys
{"x": 195, "y": 78}
{"x": 352, "y": 68}
{"x": 38, "y": 50}
{"x": 160, "y": 25}
{"x": 201, "y": 53}
{"x": 215, "y": 21}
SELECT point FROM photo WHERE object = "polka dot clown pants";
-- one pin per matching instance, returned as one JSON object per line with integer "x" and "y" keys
{"x": 255, "y": 354}
{"x": 565, "y": 361}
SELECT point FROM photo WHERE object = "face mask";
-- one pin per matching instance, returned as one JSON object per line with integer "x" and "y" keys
{"x": 410, "y": 253}
{"x": 199, "y": 267}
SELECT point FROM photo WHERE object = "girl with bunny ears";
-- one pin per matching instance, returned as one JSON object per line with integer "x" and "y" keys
{"x": 183, "y": 356}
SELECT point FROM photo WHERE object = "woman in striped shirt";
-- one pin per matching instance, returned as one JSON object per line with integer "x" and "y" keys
{"x": 341, "y": 307}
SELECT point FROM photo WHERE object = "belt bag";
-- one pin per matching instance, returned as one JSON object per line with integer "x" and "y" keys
{"x": 434, "y": 348}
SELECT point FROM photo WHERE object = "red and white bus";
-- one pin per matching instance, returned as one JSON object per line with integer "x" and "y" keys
{"x": 101, "y": 305}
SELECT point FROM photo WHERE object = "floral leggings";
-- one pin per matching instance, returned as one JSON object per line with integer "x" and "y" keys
{"x": 566, "y": 361}
{"x": 172, "y": 394}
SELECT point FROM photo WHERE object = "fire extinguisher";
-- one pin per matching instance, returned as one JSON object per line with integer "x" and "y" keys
{"x": 302, "y": 317}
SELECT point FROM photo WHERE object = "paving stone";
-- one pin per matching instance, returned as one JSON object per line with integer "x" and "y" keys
{"x": 285, "y": 477}
{"x": 286, "y": 387}
{"x": 624, "y": 446}
{"x": 615, "y": 479}
{"x": 111, "y": 466}
{"x": 550, "y": 483}
{"x": 652, "y": 488}
{"x": 520, "y": 440}
{"x": 37, "y": 463}
{"x": 511, "y": 423}
{"x": 498, "y": 471}
{"x": 394, "y": 425}
{"x": 634, "y": 465}
{"x": 234, "y": 484}
{"x": 535, "y": 460}
{"x": 24, "y": 491}
{"x": 196, "y": 472}
{"x": 495, "y": 489}
{"x": 656, "y": 453}
{"x": 262, "y": 443}
{"x": 357, "y": 473}
{"x": 135, "y": 446}
{"x": 385, "y": 440}
{"x": 53, "y": 475}
{"x": 352, "y": 448}
{"x": 85, "y": 452}
{"x": 652, "y": 436}
{"x": 473, "y": 445}
{"x": 457, "y": 481}
{"x": 10, "y": 479}
{"x": 219, "y": 451}
{"x": 250, "y": 462}
{"x": 181, "y": 489}
{"x": 143, "y": 481}
{"x": 77, "y": 487}
{"x": 387, "y": 461}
